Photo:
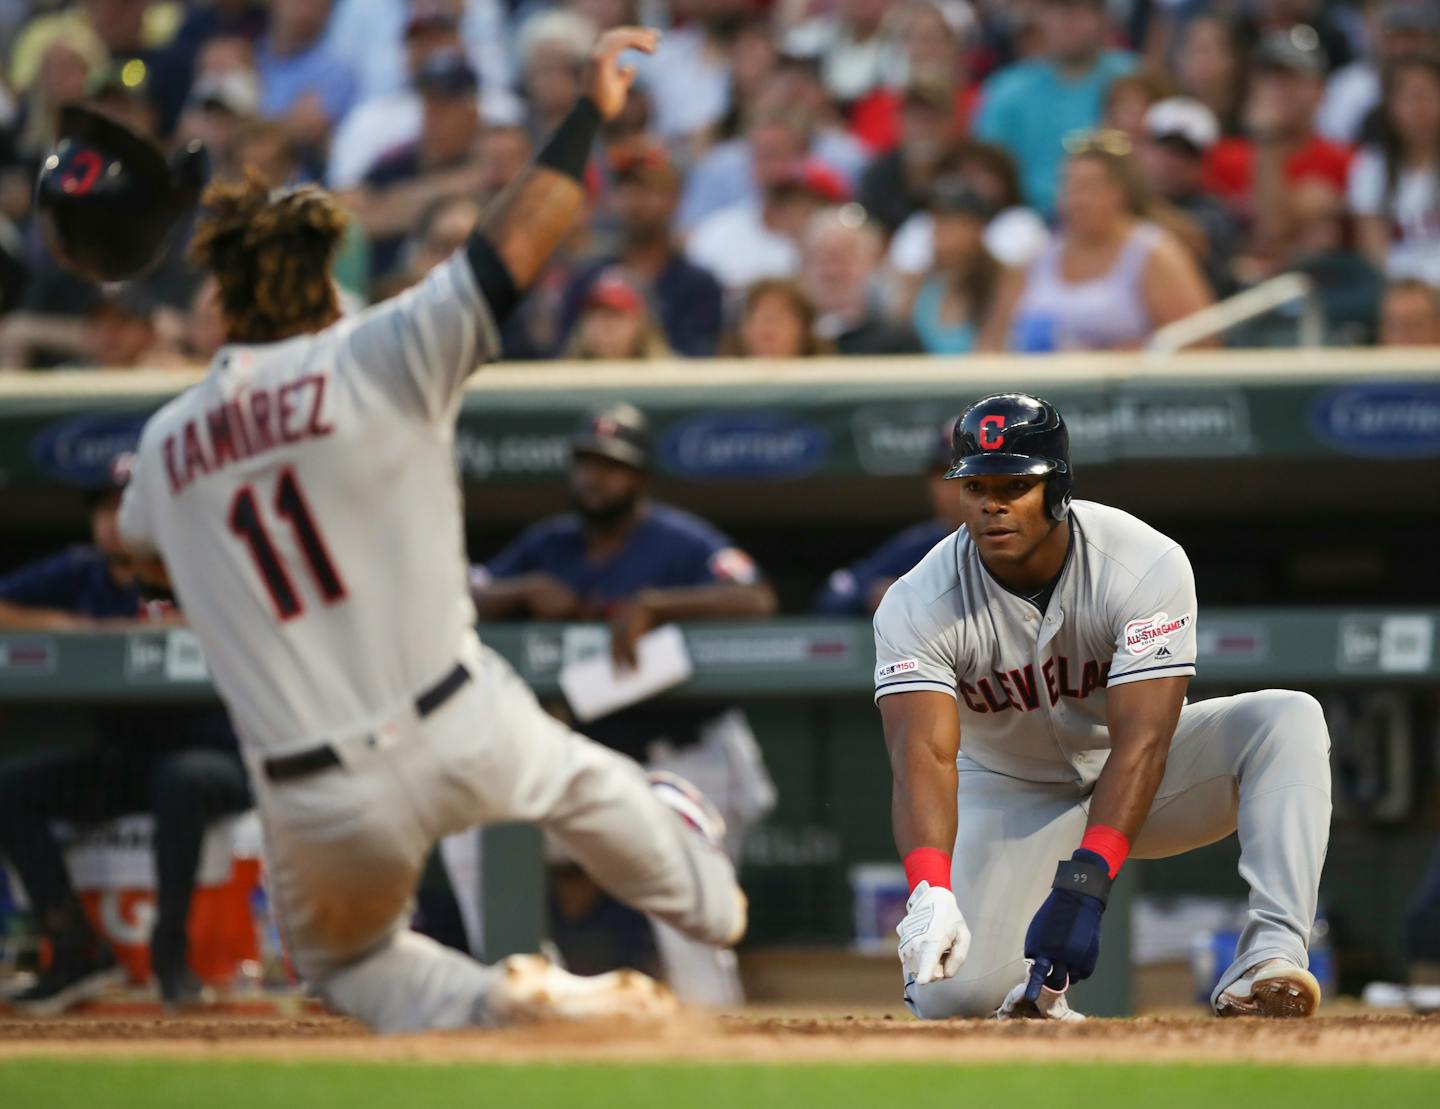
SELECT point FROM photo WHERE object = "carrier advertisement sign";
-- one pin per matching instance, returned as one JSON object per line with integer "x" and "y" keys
{"x": 1380, "y": 419}
{"x": 742, "y": 445}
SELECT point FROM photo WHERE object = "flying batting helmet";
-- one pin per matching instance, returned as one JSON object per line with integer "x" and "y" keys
{"x": 107, "y": 199}
{"x": 1015, "y": 433}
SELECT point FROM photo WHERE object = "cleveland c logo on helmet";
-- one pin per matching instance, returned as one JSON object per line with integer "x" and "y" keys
{"x": 106, "y": 199}
{"x": 1019, "y": 434}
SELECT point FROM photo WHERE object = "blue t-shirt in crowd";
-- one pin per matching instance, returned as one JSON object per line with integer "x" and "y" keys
{"x": 1029, "y": 108}
{"x": 847, "y": 591}
{"x": 286, "y": 78}
{"x": 77, "y": 581}
{"x": 668, "y": 548}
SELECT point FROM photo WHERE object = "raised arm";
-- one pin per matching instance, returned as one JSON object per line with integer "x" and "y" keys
{"x": 421, "y": 346}
{"x": 540, "y": 207}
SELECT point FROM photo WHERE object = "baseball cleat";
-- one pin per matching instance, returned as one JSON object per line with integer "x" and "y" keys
{"x": 1274, "y": 988}
{"x": 533, "y": 990}
{"x": 66, "y": 984}
{"x": 692, "y": 806}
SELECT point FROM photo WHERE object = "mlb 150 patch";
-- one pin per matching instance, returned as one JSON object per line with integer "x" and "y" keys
{"x": 904, "y": 666}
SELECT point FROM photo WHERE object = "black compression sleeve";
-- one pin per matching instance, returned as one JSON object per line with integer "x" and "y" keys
{"x": 568, "y": 150}
{"x": 497, "y": 286}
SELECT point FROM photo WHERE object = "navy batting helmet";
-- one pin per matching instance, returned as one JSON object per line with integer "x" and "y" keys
{"x": 106, "y": 198}
{"x": 1015, "y": 433}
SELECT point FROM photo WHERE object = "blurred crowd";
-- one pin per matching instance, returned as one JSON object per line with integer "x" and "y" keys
{"x": 793, "y": 177}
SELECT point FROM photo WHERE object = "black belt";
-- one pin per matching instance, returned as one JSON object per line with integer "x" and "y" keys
{"x": 288, "y": 767}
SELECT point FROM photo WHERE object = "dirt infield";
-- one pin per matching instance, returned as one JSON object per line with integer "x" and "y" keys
{"x": 1323, "y": 1041}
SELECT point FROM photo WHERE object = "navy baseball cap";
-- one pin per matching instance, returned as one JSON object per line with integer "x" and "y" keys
{"x": 448, "y": 73}
{"x": 619, "y": 432}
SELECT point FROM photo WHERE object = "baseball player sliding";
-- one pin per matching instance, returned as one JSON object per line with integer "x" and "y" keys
{"x": 1031, "y": 675}
{"x": 304, "y": 499}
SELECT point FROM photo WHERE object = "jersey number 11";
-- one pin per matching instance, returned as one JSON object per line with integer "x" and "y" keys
{"x": 290, "y": 505}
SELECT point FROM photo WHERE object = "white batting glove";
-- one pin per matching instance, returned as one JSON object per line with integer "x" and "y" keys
{"x": 933, "y": 937}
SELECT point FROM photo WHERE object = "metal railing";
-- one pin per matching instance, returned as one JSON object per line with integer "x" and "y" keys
{"x": 1278, "y": 292}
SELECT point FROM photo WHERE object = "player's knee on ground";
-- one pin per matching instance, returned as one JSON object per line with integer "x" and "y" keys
{"x": 964, "y": 996}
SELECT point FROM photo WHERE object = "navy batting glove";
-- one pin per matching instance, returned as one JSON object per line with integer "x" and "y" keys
{"x": 1063, "y": 939}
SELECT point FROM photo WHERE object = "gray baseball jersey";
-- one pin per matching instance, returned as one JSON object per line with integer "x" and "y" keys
{"x": 305, "y": 499}
{"x": 1031, "y": 687}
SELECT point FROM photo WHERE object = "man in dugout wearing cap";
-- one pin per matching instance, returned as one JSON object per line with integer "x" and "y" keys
{"x": 636, "y": 563}
{"x": 180, "y": 764}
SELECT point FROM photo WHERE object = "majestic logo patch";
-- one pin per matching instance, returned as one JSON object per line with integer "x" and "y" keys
{"x": 904, "y": 666}
{"x": 1153, "y": 631}
{"x": 992, "y": 440}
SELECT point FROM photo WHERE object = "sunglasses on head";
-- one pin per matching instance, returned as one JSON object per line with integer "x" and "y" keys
{"x": 1105, "y": 140}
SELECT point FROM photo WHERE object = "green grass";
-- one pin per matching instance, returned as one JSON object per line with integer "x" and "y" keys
{"x": 61, "y": 1083}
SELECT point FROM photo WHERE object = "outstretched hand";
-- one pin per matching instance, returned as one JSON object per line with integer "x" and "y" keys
{"x": 1063, "y": 940}
{"x": 607, "y": 82}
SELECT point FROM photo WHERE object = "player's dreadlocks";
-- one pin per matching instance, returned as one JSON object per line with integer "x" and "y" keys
{"x": 271, "y": 252}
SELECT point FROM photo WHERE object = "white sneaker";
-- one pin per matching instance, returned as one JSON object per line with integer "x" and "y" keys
{"x": 1273, "y": 988}
{"x": 532, "y": 990}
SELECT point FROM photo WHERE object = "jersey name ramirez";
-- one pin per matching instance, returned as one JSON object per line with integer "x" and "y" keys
{"x": 255, "y": 421}
{"x": 1017, "y": 688}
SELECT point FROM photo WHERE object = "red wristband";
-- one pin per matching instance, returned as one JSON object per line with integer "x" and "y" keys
{"x": 1109, "y": 843}
{"x": 928, "y": 864}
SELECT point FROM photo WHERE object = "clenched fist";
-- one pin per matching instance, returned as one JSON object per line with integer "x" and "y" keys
{"x": 933, "y": 937}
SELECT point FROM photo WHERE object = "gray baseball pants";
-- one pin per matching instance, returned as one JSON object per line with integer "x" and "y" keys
{"x": 1257, "y": 763}
{"x": 344, "y": 847}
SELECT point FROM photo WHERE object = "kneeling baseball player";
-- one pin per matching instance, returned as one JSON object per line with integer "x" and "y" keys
{"x": 1031, "y": 675}
{"x": 304, "y": 499}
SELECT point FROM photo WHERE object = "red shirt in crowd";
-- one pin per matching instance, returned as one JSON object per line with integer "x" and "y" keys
{"x": 875, "y": 118}
{"x": 1230, "y": 167}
